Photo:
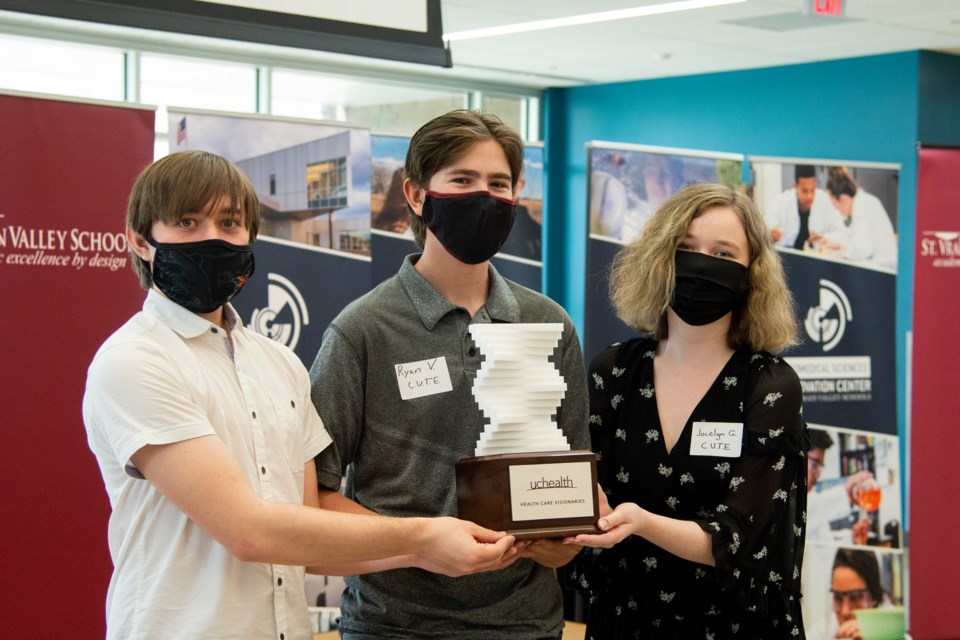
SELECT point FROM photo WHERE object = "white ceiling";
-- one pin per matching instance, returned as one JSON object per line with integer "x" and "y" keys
{"x": 755, "y": 33}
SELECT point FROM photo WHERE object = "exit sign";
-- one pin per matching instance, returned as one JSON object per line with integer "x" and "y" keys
{"x": 828, "y": 8}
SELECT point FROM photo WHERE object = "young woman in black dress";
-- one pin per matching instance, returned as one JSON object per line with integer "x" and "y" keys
{"x": 699, "y": 435}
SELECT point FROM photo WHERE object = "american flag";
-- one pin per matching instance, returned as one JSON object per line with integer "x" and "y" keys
{"x": 181, "y": 131}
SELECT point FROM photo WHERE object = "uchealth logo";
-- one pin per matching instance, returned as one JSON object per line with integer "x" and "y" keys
{"x": 285, "y": 313}
{"x": 827, "y": 322}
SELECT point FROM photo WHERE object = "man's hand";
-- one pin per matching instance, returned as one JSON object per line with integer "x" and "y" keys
{"x": 850, "y": 483}
{"x": 456, "y": 548}
{"x": 550, "y": 552}
{"x": 776, "y": 233}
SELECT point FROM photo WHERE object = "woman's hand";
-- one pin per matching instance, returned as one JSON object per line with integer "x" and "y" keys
{"x": 616, "y": 526}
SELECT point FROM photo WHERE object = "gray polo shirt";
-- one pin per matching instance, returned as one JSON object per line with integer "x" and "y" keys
{"x": 399, "y": 455}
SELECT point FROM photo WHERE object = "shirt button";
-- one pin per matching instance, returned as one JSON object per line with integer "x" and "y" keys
{"x": 293, "y": 404}
{"x": 279, "y": 582}
{"x": 472, "y": 352}
{"x": 263, "y": 470}
{"x": 281, "y": 636}
{"x": 214, "y": 329}
{"x": 254, "y": 414}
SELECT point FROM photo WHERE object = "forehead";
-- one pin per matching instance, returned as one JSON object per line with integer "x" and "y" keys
{"x": 720, "y": 221}
{"x": 846, "y": 579}
{"x": 483, "y": 155}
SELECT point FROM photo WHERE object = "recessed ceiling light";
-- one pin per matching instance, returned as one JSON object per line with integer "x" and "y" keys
{"x": 587, "y": 18}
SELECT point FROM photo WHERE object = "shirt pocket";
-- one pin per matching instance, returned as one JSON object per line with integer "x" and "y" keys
{"x": 290, "y": 433}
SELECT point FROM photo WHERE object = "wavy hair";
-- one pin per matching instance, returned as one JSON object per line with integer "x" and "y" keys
{"x": 642, "y": 276}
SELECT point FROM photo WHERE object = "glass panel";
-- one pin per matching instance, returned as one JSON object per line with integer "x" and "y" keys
{"x": 198, "y": 84}
{"x": 327, "y": 184}
{"x": 508, "y": 109}
{"x": 45, "y": 66}
{"x": 382, "y": 107}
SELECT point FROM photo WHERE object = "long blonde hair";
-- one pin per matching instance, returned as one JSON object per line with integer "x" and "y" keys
{"x": 642, "y": 275}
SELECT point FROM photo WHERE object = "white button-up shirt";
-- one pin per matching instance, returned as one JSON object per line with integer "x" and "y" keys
{"x": 169, "y": 375}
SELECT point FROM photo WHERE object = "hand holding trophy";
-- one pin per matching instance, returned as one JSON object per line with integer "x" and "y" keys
{"x": 524, "y": 479}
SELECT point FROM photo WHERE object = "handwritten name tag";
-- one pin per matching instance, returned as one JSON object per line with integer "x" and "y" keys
{"x": 423, "y": 378}
{"x": 720, "y": 439}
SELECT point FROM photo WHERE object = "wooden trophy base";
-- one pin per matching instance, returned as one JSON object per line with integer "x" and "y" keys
{"x": 530, "y": 495}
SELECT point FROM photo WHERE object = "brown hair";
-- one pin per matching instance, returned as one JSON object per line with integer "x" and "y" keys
{"x": 446, "y": 139}
{"x": 642, "y": 275}
{"x": 864, "y": 564}
{"x": 840, "y": 182}
{"x": 186, "y": 182}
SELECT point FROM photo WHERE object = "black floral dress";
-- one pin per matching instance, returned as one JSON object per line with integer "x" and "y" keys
{"x": 753, "y": 506}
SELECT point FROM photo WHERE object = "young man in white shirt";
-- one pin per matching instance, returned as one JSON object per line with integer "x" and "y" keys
{"x": 205, "y": 435}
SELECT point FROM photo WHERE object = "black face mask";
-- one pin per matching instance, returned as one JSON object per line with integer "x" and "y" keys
{"x": 201, "y": 276}
{"x": 707, "y": 287}
{"x": 471, "y": 226}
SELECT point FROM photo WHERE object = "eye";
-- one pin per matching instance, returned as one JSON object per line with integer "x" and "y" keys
{"x": 185, "y": 223}
{"x": 685, "y": 246}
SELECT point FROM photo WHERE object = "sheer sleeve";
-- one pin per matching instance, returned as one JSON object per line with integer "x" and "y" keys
{"x": 758, "y": 529}
{"x": 604, "y": 381}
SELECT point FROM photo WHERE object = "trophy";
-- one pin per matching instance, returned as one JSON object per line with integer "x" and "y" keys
{"x": 524, "y": 479}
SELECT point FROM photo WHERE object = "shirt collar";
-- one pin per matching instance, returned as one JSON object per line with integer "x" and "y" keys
{"x": 185, "y": 322}
{"x": 501, "y": 304}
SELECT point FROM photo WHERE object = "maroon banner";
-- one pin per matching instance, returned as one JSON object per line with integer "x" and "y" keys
{"x": 65, "y": 285}
{"x": 935, "y": 438}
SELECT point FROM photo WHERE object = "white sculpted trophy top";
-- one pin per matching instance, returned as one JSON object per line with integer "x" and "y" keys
{"x": 524, "y": 478}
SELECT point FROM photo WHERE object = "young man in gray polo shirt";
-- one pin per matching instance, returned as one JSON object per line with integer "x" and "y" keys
{"x": 397, "y": 443}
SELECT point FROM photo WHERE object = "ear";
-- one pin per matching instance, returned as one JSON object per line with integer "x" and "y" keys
{"x": 139, "y": 244}
{"x": 415, "y": 195}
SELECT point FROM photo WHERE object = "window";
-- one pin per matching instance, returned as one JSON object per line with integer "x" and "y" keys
{"x": 45, "y": 66}
{"x": 327, "y": 184}
{"x": 196, "y": 84}
{"x": 355, "y": 242}
{"x": 383, "y": 107}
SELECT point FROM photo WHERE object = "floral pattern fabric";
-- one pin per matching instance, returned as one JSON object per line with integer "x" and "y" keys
{"x": 753, "y": 506}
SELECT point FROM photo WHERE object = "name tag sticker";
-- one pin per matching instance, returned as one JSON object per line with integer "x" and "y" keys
{"x": 719, "y": 439}
{"x": 423, "y": 378}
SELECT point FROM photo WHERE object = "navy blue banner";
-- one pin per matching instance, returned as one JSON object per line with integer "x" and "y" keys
{"x": 846, "y": 360}
{"x": 297, "y": 291}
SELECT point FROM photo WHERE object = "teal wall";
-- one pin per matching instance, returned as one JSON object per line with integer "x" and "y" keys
{"x": 863, "y": 109}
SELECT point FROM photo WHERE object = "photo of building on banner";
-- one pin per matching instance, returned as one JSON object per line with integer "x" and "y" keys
{"x": 627, "y": 183}
{"x": 312, "y": 179}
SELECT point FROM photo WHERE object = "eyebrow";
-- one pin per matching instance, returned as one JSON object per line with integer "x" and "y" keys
{"x": 476, "y": 174}
{"x": 720, "y": 243}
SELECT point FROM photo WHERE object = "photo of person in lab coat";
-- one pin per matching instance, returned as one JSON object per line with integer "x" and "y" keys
{"x": 803, "y": 215}
{"x": 870, "y": 235}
